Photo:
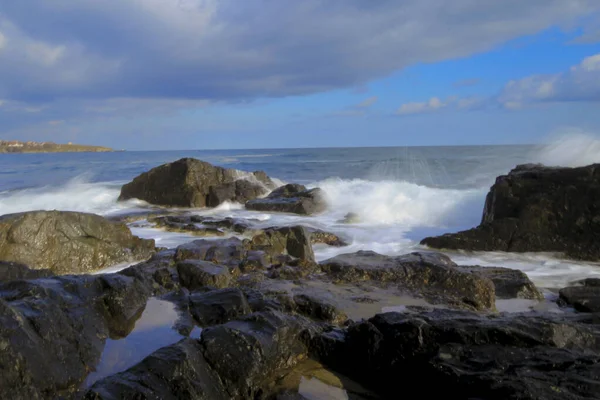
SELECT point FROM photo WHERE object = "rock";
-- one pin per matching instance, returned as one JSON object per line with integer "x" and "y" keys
{"x": 319, "y": 309}
{"x": 431, "y": 274}
{"x": 69, "y": 242}
{"x": 197, "y": 274}
{"x": 248, "y": 352}
{"x": 292, "y": 198}
{"x": 179, "y": 371}
{"x": 52, "y": 330}
{"x": 350, "y": 218}
{"x": 229, "y": 252}
{"x": 218, "y": 306}
{"x": 472, "y": 357}
{"x": 184, "y": 224}
{"x": 328, "y": 238}
{"x": 10, "y": 271}
{"x": 509, "y": 283}
{"x": 536, "y": 208}
{"x": 294, "y": 241}
{"x": 584, "y": 297}
{"x": 193, "y": 183}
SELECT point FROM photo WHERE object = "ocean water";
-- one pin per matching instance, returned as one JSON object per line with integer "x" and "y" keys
{"x": 402, "y": 194}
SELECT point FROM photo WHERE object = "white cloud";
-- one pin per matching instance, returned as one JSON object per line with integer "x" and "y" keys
{"x": 580, "y": 83}
{"x": 366, "y": 103}
{"x": 417, "y": 108}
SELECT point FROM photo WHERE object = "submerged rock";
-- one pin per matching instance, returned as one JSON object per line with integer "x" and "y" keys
{"x": 291, "y": 198}
{"x": 537, "y": 208}
{"x": 432, "y": 274}
{"x": 351, "y": 218}
{"x": 69, "y": 242}
{"x": 193, "y": 183}
{"x": 470, "y": 356}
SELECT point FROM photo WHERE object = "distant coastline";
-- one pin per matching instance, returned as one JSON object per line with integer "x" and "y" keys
{"x": 15, "y": 146}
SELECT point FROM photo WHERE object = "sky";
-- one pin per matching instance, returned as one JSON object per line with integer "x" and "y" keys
{"x": 210, "y": 74}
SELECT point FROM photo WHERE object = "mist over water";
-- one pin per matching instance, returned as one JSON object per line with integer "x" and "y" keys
{"x": 400, "y": 194}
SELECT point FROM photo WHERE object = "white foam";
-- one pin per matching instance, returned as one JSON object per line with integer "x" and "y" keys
{"x": 574, "y": 148}
{"x": 76, "y": 195}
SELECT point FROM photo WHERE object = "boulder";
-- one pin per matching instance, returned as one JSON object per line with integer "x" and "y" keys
{"x": 536, "y": 208}
{"x": 218, "y": 306}
{"x": 291, "y": 198}
{"x": 11, "y": 271}
{"x": 193, "y": 183}
{"x": 69, "y": 242}
{"x": 470, "y": 356}
{"x": 319, "y": 308}
{"x": 294, "y": 241}
{"x": 197, "y": 274}
{"x": 179, "y": 371}
{"x": 52, "y": 330}
{"x": 584, "y": 297}
{"x": 229, "y": 252}
{"x": 433, "y": 275}
{"x": 248, "y": 352}
{"x": 509, "y": 283}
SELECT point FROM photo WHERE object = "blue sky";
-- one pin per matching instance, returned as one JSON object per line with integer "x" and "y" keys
{"x": 202, "y": 74}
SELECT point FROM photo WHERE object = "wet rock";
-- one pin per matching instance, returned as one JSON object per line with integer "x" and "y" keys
{"x": 158, "y": 273}
{"x": 192, "y": 183}
{"x": 294, "y": 241}
{"x": 197, "y": 274}
{"x": 584, "y": 297}
{"x": 328, "y": 238}
{"x": 218, "y": 306}
{"x": 470, "y": 356}
{"x": 184, "y": 224}
{"x": 536, "y": 208}
{"x": 237, "y": 225}
{"x": 509, "y": 283}
{"x": 246, "y": 353}
{"x": 52, "y": 330}
{"x": 432, "y": 274}
{"x": 318, "y": 308}
{"x": 68, "y": 242}
{"x": 11, "y": 271}
{"x": 254, "y": 261}
{"x": 229, "y": 252}
{"x": 175, "y": 372}
{"x": 292, "y": 198}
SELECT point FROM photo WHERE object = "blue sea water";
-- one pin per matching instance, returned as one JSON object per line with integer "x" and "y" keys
{"x": 401, "y": 194}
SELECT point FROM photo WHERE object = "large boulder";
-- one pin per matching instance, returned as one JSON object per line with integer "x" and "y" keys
{"x": 193, "y": 183}
{"x": 537, "y": 208}
{"x": 291, "y": 198}
{"x": 69, "y": 242}
{"x": 430, "y": 274}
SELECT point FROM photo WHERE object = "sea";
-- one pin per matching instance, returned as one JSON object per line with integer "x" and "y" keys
{"x": 401, "y": 194}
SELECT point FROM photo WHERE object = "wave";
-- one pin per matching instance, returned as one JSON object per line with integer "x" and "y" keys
{"x": 78, "y": 194}
{"x": 573, "y": 148}
{"x": 405, "y": 203}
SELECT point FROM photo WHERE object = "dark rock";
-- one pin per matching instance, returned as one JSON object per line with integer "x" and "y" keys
{"x": 184, "y": 224}
{"x": 328, "y": 238}
{"x": 188, "y": 183}
{"x": 52, "y": 330}
{"x": 246, "y": 353}
{"x": 431, "y": 274}
{"x": 471, "y": 357}
{"x": 68, "y": 242}
{"x": 292, "y": 198}
{"x": 254, "y": 261}
{"x": 218, "y": 306}
{"x": 509, "y": 283}
{"x": 229, "y": 252}
{"x": 197, "y": 274}
{"x": 584, "y": 297}
{"x": 294, "y": 241}
{"x": 238, "y": 225}
{"x": 535, "y": 208}
{"x": 319, "y": 309}
{"x": 175, "y": 372}
{"x": 11, "y": 271}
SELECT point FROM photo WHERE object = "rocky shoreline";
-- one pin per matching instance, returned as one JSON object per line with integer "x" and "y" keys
{"x": 275, "y": 323}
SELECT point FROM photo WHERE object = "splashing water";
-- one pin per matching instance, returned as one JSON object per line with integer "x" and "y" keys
{"x": 570, "y": 149}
